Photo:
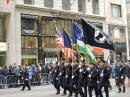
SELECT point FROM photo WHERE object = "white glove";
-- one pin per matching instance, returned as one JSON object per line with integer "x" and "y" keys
{"x": 66, "y": 76}
{"x": 88, "y": 69}
{"x": 101, "y": 75}
{"x": 79, "y": 66}
{"x": 72, "y": 77}
{"x": 89, "y": 75}
{"x": 80, "y": 70}
{"x": 57, "y": 78}
{"x": 122, "y": 77}
{"x": 60, "y": 73}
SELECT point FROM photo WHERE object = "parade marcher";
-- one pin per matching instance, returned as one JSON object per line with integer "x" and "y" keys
{"x": 68, "y": 77}
{"x": 104, "y": 75}
{"x": 92, "y": 79}
{"x": 77, "y": 79}
{"x": 55, "y": 72}
{"x": 120, "y": 72}
{"x": 128, "y": 72}
{"x": 26, "y": 79}
{"x": 62, "y": 75}
{"x": 84, "y": 77}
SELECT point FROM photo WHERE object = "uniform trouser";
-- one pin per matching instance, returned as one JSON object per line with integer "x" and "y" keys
{"x": 26, "y": 84}
{"x": 68, "y": 85}
{"x": 72, "y": 87}
{"x": 56, "y": 85}
{"x": 105, "y": 85}
{"x": 78, "y": 86}
{"x": 120, "y": 82}
{"x": 90, "y": 89}
{"x": 85, "y": 87}
{"x": 62, "y": 84}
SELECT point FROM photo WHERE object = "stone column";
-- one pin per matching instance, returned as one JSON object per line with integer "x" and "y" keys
{"x": 106, "y": 52}
{"x": 11, "y": 37}
{"x": 18, "y": 37}
{"x": 127, "y": 43}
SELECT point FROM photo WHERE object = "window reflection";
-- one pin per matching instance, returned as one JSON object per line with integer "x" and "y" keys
{"x": 2, "y": 31}
{"x": 30, "y": 42}
{"x": 28, "y": 26}
{"x": 48, "y": 42}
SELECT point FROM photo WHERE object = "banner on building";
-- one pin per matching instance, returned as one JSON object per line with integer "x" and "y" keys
{"x": 3, "y": 47}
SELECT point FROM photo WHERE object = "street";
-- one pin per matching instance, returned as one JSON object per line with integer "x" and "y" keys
{"x": 49, "y": 91}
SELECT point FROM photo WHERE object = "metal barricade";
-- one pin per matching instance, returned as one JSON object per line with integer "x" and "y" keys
{"x": 2, "y": 81}
{"x": 46, "y": 78}
{"x": 10, "y": 81}
{"x": 35, "y": 79}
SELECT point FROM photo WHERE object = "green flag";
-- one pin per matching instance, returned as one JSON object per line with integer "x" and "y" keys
{"x": 90, "y": 54}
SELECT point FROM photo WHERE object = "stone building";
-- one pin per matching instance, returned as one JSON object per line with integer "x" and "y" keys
{"x": 26, "y": 45}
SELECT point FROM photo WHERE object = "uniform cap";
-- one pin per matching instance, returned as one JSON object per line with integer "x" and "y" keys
{"x": 83, "y": 61}
{"x": 62, "y": 58}
{"x": 92, "y": 64}
{"x": 70, "y": 60}
{"x": 103, "y": 61}
{"x": 77, "y": 61}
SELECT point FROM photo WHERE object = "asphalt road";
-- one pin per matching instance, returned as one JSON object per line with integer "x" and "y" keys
{"x": 49, "y": 91}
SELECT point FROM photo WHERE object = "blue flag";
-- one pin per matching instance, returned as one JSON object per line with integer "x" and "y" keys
{"x": 78, "y": 38}
{"x": 67, "y": 41}
{"x": 74, "y": 34}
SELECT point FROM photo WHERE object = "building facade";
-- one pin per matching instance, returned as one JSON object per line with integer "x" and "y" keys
{"x": 29, "y": 45}
{"x": 128, "y": 20}
{"x": 7, "y": 33}
{"x": 117, "y": 23}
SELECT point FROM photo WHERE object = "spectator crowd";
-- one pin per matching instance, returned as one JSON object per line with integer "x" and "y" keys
{"x": 11, "y": 76}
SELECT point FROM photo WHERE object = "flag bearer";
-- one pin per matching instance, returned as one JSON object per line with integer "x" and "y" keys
{"x": 55, "y": 73}
{"x": 92, "y": 79}
{"x": 104, "y": 73}
{"x": 120, "y": 72}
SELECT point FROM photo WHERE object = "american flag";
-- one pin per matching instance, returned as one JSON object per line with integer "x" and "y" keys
{"x": 7, "y": 1}
{"x": 60, "y": 43}
{"x": 59, "y": 40}
{"x": 69, "y": 53}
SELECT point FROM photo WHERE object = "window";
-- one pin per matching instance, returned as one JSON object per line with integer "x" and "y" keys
{"x": 81, "y": 5}
{"x": 66, "y": 4}
{"x": 31, "y": 2}
{"x": 28, "y": 26}
{"x": 95, "y": 6}
{"x": 48, "y": 3}
{"x": 30, "y": 42}
{"x": 48, "y": 42}
{"x": 116, "y": 10}
{"x": 2, "y": 31}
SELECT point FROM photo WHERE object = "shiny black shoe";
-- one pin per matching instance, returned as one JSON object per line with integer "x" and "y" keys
{"x": 63, "y": 94}
{"x": 123, "y": 89}
{"x": 76, "y": 95}
{"x": 69, "y": 95}
{"x": 57, "y": 93}
{"x": 119, "y": 91}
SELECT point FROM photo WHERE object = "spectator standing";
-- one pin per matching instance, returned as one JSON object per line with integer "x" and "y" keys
{"x": 45, "y": 73}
